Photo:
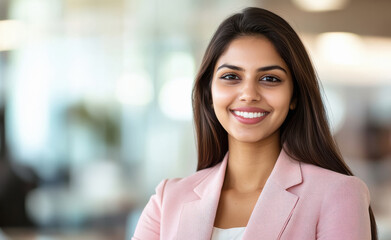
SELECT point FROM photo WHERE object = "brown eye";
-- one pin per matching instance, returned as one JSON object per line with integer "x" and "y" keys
{"x": 270, "y": 79}
{"x": 229, "y": 77}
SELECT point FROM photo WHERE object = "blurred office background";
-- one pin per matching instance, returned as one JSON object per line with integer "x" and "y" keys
{"x": 95, "y": 103}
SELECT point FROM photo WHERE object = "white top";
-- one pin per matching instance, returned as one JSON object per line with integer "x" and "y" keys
{"x": 228, "y": 234}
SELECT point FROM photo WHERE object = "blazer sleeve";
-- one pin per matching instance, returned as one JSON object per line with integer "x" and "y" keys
{"x": 148, "y": 226}
{"x": 345, "y": 212}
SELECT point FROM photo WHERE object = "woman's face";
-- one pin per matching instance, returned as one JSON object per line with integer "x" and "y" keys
{"x": 251, "y": 90}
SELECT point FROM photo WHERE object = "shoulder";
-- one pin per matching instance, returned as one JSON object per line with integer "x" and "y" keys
{"x": 184, "y": 186}
{"x": 163, "y": 210}
{"x": 334, "y": 184}
{"x": 340, "y": 202}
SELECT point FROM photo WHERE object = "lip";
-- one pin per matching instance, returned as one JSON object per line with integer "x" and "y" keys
{"x": 249, "y": 109}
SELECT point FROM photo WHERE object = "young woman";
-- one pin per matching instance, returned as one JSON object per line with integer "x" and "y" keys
{"x": 268, "y": 167}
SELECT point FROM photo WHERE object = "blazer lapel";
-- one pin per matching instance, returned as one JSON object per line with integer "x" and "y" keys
{"x": 275, "y": 204}
{"x": 197, "y": 217}
{"x": 271, "y": 212}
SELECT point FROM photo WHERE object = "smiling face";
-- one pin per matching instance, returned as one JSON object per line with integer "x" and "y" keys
{"x": 251, "y": 90}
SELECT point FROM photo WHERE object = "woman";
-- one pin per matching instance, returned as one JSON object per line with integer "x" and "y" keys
{"x": 268, "y": 167}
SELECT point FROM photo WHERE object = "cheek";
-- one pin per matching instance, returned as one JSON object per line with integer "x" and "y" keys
{"x": 221, "y": 96}
{"x": 280, "y": 101}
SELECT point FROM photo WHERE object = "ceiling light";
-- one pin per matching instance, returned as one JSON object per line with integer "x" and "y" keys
{"x": 340, "y": 48}
{"x": 11, "y": 32}
{"x": 320, "y": 5}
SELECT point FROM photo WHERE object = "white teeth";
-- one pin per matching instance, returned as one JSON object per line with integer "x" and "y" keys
{"x": 250, "y": 114}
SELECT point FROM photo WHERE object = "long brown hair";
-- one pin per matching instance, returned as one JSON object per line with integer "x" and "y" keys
{"x": 305, "y": 133}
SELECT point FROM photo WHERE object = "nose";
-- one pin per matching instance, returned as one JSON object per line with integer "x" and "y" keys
{"x": 250, "y": 92}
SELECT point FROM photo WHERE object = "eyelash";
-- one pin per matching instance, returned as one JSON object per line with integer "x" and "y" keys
{"x": 224, "y": 77}
{"x": 272, "y": 79}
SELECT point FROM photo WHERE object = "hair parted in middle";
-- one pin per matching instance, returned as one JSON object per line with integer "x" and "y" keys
{"x": 305, "y": 132}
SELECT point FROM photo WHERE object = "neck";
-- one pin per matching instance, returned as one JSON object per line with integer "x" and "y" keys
{"x": 250, "y": 164}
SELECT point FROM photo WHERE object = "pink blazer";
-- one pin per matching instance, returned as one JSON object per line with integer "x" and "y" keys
{"x": 299, "y": 201}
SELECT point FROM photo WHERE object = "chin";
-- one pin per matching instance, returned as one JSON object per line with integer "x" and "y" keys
{"x": 256, "y": 138}
{"x": 248, "y": 139}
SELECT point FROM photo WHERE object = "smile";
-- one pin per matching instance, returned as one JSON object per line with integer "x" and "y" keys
{"x": 250, "y": 114}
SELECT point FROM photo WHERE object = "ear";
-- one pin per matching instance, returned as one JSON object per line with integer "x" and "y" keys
{"x": 292, "y": 105}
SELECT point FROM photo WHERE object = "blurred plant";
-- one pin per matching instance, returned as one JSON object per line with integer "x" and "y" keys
{"x": 101, "y": 119}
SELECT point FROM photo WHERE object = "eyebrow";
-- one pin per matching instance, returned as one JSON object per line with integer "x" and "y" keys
{"x": 261, "y": 69}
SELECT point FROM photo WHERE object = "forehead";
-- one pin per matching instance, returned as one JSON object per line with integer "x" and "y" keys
{"x": 251, "y": 51}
